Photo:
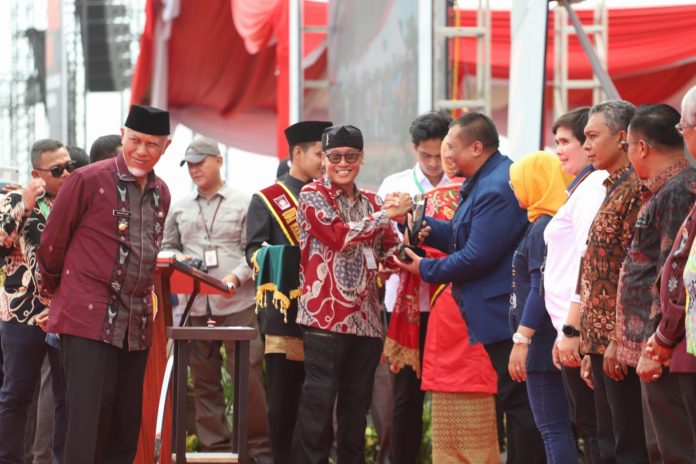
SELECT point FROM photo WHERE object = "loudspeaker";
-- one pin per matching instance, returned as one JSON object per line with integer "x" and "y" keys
{"x": 105, "y": 30}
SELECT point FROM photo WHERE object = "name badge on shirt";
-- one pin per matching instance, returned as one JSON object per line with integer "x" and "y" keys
{"x": 370, "y": 258}
{"x": 210, "y": 258}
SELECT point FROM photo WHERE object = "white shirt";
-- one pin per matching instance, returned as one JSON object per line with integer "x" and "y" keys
{"x": 414, "y": 182}
{"x": 566, "y": 241}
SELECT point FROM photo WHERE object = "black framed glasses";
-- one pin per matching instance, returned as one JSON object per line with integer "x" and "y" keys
{"x": 350, "y": 158}
{"x": 57, "y": 171}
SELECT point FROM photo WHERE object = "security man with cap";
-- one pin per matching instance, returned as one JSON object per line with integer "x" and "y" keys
{"x": 272, "y": 221}
{"x": 345, "y": 235}
{"x": 97, "y": 260}
{"x": 210, "y": 225}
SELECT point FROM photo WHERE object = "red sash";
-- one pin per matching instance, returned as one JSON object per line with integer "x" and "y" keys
{"x": 283, "y": 206}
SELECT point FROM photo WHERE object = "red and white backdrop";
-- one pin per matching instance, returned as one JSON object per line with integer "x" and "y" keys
{"x": 225, "y": 63}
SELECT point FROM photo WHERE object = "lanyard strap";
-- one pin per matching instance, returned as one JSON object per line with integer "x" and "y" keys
{"x": 212, "y": 223}
{"x": 418, "y": 184}
{"x": 44, "y": 207}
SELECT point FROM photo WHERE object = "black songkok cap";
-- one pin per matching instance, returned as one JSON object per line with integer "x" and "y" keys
{"x": 306, "y": 131}
{"x": 148, "y": 120}
{"x": 342, "y": 136}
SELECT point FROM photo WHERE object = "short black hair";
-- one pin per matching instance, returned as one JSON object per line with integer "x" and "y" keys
{"x": 303, "y": 145}
{"x": 78, "y": 156}
{"x": 104, "y": 147}
{"x": 575, "y": 120}
{"x": 431, "y": 125}
{"x": 656, "y": 124}
{"x": 478, "y": 127}
{"x": 42, "y": 146}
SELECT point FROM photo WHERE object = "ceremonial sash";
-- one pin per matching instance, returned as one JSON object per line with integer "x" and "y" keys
{"x": 283, "y": 206}
{"x": 436, "y": 294}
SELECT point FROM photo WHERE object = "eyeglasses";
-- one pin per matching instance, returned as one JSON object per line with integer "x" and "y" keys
{"x": 57, "y": 171}
{"x": 680, "y": 128}
{"x": 350, "y": 158}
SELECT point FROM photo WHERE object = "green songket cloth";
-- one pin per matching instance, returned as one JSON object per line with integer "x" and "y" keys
{"x": 277, "y": 271}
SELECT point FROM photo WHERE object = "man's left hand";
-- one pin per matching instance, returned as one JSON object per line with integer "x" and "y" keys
{"x": 414, "y": 266}
{"x": 657, "y": 352}
{"x": 42, "y": 319}
{"x": 648, "y": 370}
{"x": 613, "y": 367}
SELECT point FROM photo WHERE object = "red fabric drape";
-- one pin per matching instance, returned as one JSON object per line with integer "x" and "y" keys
{"x": 225, "y": 75}
{"x": 228, "y": 62}
{"x": 652, "y": 51}
{"x": 142, "y": 73}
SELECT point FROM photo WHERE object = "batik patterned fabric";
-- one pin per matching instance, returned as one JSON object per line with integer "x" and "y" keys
{"x": 21, "y": 299}
{"x": 667, "y": 199}
{"x": 690, "y": 285}
{"x": 338, "y": 240}
{"x": 607, "y": 243}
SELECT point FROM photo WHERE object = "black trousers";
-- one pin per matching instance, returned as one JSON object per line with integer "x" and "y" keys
{"x": 605, "y": 424}
{"x": 687, "y": 387}
{"x": 104, "y": 395}
{"x": 581, "y": 404}
{"x": 525, "y": 445}
{"x": 339, "y": 369}
{"x": 626, "y": 406}
{"x": 407, "y": 417}
{"x": 667, "y": 420}
{"x": 285, "y": 380}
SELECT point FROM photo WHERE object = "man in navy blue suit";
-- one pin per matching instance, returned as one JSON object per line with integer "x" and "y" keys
{"x": 480, "y": 241}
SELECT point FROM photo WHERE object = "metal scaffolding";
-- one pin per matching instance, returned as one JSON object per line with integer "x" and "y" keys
{"x": 298, "y": 83}
{"x": 21, "y": 91}
{"x": 25, "y": 90}
{"x": 563, "y": 30}
{"x": 445, "y": 74}
{"x": 76, "y": 89}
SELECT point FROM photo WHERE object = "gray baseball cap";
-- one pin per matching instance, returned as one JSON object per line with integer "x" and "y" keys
{"x": 199, "y": 149}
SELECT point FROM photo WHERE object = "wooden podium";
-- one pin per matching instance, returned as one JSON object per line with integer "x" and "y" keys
{"x": 155, "y": 443}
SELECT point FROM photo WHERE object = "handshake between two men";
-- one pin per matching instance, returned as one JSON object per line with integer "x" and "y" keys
{"x": 401, "y": 208}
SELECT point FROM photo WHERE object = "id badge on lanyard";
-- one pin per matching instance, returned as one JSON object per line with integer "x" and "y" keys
{"x": 210, "y": 257}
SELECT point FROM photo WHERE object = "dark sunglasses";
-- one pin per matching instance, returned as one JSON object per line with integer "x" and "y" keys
{"x": 57, "y": 171}
{"x": 350, "y": 158}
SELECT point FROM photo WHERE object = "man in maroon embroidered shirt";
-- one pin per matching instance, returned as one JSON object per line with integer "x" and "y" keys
{"x": 97, "y": 258}
{"x": 344, "y": 235}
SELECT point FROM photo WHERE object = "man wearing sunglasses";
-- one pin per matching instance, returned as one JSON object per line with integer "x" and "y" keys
{"x": 98, "y": 259}
{"x": 345, "y": 233}
{"x": 24, "y": 305}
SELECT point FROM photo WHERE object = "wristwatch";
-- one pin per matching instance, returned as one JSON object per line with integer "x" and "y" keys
{"x": 570, "y": 331}
{"x": 519, "y": 338}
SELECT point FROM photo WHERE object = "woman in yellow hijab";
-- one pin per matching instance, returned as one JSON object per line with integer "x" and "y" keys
{"x": 540, "y": 187}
